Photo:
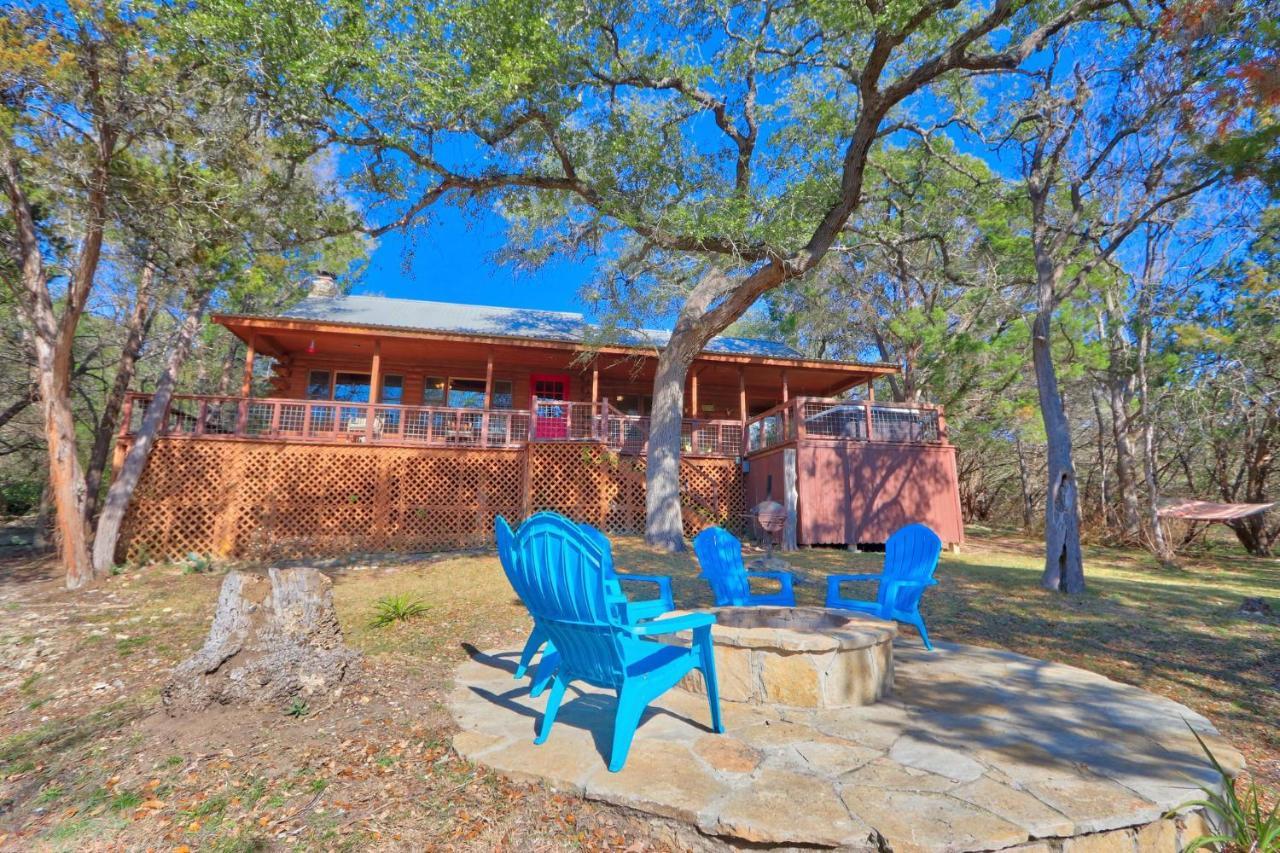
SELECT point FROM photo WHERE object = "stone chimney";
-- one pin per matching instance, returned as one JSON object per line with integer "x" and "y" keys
{"x": 323, "y": 286}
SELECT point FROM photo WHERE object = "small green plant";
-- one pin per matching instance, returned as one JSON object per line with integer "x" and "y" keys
{"x": 196, "y": 564}
{"x": 396, "y": 608}
{"x": 298, "y": 708}
{"x": 1243, "y": 823}
{"x": 126, "y": 801}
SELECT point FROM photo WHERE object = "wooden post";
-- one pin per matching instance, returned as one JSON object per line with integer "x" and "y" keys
{"x": 742, "y": 408}
{"x": 246, "y": 387}
{"x": 871, "y": 390}
{"x": 246, "y": 384}
{"x": 792, "y": 498}
{"x": 488, "y": 399}
{"x": 375, "y": 387}
{"x": 694, "y": 413}
{"x": 596, "y": 408}
{"x": 785, "y": 395}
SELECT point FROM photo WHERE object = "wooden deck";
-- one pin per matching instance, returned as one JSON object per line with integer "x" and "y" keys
{"x": 306, "y": 421}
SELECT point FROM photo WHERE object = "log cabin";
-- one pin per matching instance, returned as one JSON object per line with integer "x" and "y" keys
{"x": 370, "y": 424}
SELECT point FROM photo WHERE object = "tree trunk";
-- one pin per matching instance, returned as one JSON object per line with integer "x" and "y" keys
{"x": 1024, "y": 478}
{"x": 117, "y": 502}
{"x": 1126, "y": 466}
{"x": 1064, "y": 564}
{"x": 1159, "y": 543}
{"x": 664, "y": 525}
{"x": 1103, "y": 509}
{"x": 105, "y": 436}
{"x": 52, "y": 339}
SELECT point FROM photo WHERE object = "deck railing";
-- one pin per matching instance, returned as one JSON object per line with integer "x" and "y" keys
{"x": 433, "y": 426}
{"x": 548, "y": 420}
{"x": 698, "y": 436}
{"x": 849, "y": 420}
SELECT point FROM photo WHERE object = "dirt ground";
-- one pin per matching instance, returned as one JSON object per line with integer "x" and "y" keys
{"x": 89, "y": 761}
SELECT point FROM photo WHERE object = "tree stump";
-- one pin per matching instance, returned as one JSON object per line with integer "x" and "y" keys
{"x": 273, "y": 639}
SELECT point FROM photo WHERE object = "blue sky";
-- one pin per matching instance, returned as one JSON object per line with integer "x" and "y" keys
{"x": 452, "y": 260}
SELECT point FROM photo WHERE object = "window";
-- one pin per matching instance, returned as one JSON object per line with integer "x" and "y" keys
{"x": 433, "y": 391}
{"x": 392, "y": 390}
{"x": 503, "y": 395}
{"x": 318, "y": 385}
{"x": 466, "y": 393}
{"x": 351, "y": 387}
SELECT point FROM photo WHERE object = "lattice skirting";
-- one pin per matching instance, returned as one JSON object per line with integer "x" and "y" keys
{"x": 269, "y": 500}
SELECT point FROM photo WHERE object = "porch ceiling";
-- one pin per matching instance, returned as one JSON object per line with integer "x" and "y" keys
{"x": 762, "y": 375}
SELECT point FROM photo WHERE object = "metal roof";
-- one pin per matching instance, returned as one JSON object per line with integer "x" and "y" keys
{"x": 420, "y": 314}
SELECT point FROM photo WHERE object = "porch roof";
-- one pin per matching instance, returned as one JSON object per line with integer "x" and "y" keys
{"x": 478, "y": 324}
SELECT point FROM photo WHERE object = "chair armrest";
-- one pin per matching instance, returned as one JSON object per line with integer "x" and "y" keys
{"x": 784, "y": 580}
{"x": 851, "y": 578}
{"x": 663, "y": 582}
{"x": 687, "y": 622}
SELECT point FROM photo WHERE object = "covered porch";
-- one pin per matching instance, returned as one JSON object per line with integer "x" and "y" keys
{"x": 315, "y": 382}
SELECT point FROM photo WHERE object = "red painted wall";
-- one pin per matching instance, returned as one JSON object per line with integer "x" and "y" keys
{"x": 853, "y": 491}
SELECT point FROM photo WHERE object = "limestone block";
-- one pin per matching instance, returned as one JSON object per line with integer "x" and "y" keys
{"x": 790, "y": 680}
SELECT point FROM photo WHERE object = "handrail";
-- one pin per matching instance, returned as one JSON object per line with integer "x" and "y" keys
{"x": 231, "y": 417}
{"x": 803, "y": 418}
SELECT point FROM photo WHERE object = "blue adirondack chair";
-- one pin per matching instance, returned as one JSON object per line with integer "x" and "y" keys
{"x": 720, "y": 555}
{"x": 537, "y": 637}
{"x": 910, "y": 557}
{"x": 565, "y": 578}
{"x": 634, "y": 611}
{"x": 631, "y": 611}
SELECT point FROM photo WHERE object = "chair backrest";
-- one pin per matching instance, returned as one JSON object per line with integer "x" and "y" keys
{"x": 911, "y": 553}
{"x": 720, "y": 556}
{"x": 505, "y": 538}
{"x": 563, "y": 577}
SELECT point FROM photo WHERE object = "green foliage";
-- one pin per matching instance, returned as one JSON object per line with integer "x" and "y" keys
{"x": 197, "y": 564}
{"x": 20, "y": 496}
{"x": 399, "y": 607}
{"x": 1244, "y": 823}
{"x": 297, "y": 708}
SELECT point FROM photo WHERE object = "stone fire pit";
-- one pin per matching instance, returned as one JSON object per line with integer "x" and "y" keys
{"x": 807, "y": 657}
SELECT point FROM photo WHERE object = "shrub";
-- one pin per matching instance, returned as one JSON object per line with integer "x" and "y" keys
{"x": 196, "y": 564}
{"x": 396, "y": 608}
{"x": 1244, "y": 824}
{"x": 298, "y": 709}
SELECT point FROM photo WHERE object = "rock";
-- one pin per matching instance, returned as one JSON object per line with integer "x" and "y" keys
{"x": 272, "y": 639}
{"x": 1255, "y": 607}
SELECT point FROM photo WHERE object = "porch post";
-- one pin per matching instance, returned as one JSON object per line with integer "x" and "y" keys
{"x": 596, "y": 409}
{"x": 246, "y": 386}
{"x": 488, "y": 399}
{"x": 871, "y": 390}
{"x": 375, "y": 386}
{"x": 693, "y": 395}
{"x": 742, "y": 408}
{"x": 785, "y": 396}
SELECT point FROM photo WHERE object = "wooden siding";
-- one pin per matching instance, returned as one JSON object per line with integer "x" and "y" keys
{"x": 267, "y": 500}
{"x": 861, "y": 492}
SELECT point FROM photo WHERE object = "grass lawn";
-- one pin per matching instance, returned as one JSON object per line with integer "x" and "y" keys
{"x": 85, "y": 756}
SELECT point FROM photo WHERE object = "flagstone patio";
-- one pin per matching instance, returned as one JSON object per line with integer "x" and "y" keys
{"x": 977, "y": 749}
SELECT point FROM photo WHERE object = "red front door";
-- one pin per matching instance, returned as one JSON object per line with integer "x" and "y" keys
{"x": 552, "y": 418}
